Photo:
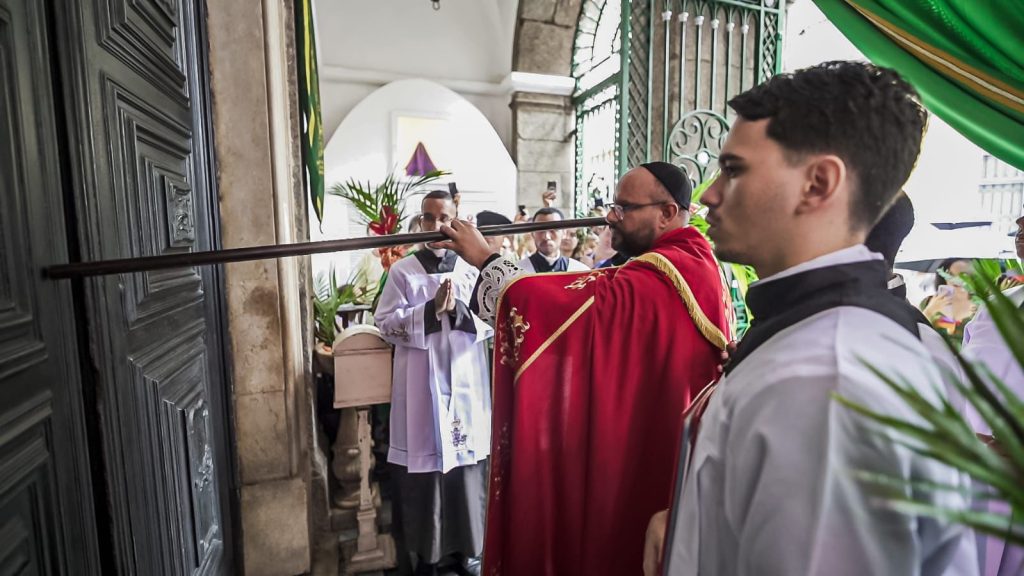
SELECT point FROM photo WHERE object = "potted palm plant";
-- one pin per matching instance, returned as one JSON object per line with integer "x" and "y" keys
{"x": 328, "y": 297}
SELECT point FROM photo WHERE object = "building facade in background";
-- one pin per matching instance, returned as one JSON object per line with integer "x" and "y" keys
{"x": 1002, "y": 192}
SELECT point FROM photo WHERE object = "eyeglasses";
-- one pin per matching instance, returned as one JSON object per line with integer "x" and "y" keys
{"x": 428, "y": 219}
{"x": 619, "y": 210}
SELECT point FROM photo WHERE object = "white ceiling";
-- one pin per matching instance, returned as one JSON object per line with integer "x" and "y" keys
{"x": 464, "y": 40}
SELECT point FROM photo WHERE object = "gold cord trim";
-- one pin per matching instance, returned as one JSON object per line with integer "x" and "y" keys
{"x": 943, "y": 62}
{"x": 551, "y": 339}
{"x": 704, "y": 326}
{"x": 504, "y": 289}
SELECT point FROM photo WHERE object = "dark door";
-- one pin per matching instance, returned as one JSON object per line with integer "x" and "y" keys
{"x": 133, "y": 79}
{"x": 46, "y": 514}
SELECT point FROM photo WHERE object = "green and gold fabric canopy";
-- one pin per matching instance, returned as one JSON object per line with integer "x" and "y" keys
{"x": 965, "y": 57}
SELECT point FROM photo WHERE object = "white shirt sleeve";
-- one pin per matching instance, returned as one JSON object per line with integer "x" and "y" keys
{"x": 950, "y": 369}
{"x": 796, "y": 504}
{"x": 984, "y": 344}
{"x": 400, "y": 322}
{"x": 577, "y": 266}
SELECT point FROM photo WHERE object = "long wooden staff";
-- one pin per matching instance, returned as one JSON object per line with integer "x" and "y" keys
{"x": 128, "y": 265}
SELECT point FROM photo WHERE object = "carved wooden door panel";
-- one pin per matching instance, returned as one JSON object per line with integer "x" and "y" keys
{"x": 134, "y": 82}
{"x": 46, "y": 515}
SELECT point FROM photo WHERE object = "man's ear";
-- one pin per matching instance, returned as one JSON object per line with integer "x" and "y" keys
{"x": 825, "y": 176}
{"x": 671, "y": 211}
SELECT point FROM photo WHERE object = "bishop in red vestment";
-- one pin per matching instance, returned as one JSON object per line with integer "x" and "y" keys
{"x": 593, "y": 371}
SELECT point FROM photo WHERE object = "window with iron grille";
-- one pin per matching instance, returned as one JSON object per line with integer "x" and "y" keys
{"x": 596, "y": 65}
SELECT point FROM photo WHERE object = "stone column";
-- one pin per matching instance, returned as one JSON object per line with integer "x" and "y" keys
{"x": 253, "y": 77}
{"x": 543, "y": 149}
{"x": 542, "y": 123}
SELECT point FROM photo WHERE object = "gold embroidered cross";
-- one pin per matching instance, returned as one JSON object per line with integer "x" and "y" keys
{"x": 581, "y": 282}
{"x": 516, "y": 328}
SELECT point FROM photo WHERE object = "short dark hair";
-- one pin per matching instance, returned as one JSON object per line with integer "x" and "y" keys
{"x": 546, "y": 211}
{"x": 438, "y": 195}
{"x": 489, "y": 218}
{"x": 888, "y": 234}
{"x": 867, "y": 115}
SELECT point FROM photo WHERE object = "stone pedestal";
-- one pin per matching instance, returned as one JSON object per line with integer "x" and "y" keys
{"x": 373, "y": 551}
{"x": 362, "y": 379}
{"x": 346, "y": 461}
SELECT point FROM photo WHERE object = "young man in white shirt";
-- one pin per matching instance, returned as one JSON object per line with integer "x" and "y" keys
{"x": 769, "y": 485}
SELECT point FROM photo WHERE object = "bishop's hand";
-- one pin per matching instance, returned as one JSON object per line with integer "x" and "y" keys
{"x": 466, "y": 241}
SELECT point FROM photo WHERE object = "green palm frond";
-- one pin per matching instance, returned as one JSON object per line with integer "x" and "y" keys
{"x": 1008, "y": 318}
{"x": 1011, "y": 530}
{"x": 328, "y": 297}
{"x": 942, "y": 434}
{"x": 369, "y": 200}
{"x": 1004, "y": 274}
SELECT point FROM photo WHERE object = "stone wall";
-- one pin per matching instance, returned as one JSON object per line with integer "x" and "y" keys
{"x": 255, "y": 120}
{"x": 542, "y": 124}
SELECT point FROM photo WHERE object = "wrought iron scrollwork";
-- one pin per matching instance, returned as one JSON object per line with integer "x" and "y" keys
{"x": 695, "y": 143}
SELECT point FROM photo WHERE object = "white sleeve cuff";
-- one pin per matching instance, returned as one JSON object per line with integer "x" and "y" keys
{"x": 493, "y": 279}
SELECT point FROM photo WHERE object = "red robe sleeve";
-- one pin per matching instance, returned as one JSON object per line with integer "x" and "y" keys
{"x": 592, "y": 373}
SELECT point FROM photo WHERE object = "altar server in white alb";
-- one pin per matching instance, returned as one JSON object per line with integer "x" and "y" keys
{"x": 441, "y": 403}
{"x": 985, "y": 344}
{"x": 769, "y": 487}
{"x": 548, "y": 257}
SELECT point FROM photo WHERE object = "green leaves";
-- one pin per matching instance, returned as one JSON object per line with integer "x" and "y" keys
{"x": 942, "y": 434}
{"x": 328, "y": 297}
{"x": 309, "y": 104}
{"x": 382, "y": 207}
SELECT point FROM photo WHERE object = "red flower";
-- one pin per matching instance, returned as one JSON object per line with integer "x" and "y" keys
{"x": 385, "y": 223}
{"x": 389, "y": 256}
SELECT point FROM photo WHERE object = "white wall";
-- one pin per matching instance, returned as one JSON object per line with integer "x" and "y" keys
{"x": 944, "y": 184}
{"x": 364, "y": 148}
{"x": 466, "y": 45}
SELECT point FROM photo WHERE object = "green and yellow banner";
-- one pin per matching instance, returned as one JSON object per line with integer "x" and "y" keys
{"x": 309, "y": 104}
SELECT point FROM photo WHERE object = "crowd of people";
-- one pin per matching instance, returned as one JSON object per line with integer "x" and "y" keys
{"x": 575, "y": 402}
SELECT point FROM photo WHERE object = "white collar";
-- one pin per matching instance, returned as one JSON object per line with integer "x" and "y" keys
{"x": 551, "y": 261}
{"x": 857, "y": 253}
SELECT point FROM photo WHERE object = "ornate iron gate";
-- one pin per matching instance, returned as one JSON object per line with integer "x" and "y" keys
{"x": 668, "y": 90}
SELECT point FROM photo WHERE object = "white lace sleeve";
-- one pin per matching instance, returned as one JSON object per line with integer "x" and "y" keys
{"x": 493, "y": 278}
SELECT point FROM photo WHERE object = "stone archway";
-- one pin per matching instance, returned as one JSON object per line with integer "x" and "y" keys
{"x": 542, "y": 123}
{"x": 683, "y": 61}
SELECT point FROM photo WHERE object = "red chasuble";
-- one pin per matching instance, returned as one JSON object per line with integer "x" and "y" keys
{"x": 592, "y": 373}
